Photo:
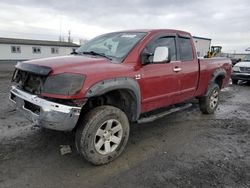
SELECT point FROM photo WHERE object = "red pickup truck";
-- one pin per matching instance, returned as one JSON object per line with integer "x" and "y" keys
{"x": 112, "y": 81}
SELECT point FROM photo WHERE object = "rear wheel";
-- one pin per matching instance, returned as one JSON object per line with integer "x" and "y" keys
{"x": 209, "y": 103}
{"x": 102, "y": 134}
{"x": 234, "y": 81}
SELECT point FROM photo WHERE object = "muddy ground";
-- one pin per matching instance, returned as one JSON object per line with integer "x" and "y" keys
{"x": 185, "y": 149}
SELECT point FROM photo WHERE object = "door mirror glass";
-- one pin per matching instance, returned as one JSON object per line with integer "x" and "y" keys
{"x": 161, "y": 55}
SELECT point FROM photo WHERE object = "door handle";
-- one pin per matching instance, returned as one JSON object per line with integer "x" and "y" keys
{"x": 177, "y": 69}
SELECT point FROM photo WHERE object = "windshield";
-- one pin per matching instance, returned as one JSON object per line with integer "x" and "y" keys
{"x": 114, "y": 46}
{"x": 247, "y": 57}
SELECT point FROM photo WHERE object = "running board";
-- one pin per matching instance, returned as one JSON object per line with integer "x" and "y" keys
{"x": 162, "y": 114}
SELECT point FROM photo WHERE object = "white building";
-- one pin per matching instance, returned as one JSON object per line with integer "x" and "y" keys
{"x": 202, "y": 45}
{"x": 25, "y": 49}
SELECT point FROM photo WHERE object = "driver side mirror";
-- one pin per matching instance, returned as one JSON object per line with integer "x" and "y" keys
{"x": 161, "y": 55}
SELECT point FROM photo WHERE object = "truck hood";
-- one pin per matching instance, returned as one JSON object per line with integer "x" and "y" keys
{"x": 81, "y": 64}
{"x": 243, "y": 64}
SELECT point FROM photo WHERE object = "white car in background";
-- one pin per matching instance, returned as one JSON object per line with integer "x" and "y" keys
{"x": 241, "y": 70}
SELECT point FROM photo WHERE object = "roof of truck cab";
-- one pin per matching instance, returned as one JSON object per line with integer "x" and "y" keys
{"x": 157, "y": 31}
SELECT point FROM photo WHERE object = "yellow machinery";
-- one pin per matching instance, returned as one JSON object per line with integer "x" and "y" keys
{"x": 214, "y": 51}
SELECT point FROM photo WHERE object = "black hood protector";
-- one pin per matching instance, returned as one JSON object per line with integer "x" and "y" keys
{"x": 35, "y": 69}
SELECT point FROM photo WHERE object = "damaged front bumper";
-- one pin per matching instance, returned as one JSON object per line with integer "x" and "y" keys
{"x": 241, "y": 76}
{"x": 45, "y": 113}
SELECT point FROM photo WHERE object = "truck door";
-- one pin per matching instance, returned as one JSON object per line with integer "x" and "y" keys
{"x": 187, "y": 69}
{"x": 159, "y": 87}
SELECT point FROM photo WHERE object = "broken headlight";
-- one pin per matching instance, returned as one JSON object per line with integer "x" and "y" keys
{"x": 63, "y": 84}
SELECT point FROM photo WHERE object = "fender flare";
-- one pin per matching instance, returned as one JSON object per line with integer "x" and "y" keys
{"x": 127, "y": 83}
{"x": 218, "y": 72}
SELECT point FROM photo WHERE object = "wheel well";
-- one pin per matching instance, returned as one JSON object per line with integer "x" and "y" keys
{"x": 219, "y": 80}
{"x": 123, "y": 99}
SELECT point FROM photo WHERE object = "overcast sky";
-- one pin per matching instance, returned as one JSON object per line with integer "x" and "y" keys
{"x": 226, "y": 22}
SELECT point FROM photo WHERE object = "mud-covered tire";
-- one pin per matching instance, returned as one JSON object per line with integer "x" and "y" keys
{"x": 209, "y": 103}
{"x": 88, "y": 139}
{"x": 235, "y": 82}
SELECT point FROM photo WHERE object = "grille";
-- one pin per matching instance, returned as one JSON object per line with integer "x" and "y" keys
{"x": 29, "y": 82}
{"x": 245, "y": 69}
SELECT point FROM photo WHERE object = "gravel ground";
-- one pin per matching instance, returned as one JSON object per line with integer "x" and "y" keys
{"x": 185, "y": 149}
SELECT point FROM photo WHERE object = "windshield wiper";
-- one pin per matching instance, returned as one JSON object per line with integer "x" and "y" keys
{"x": 96, "y": 53}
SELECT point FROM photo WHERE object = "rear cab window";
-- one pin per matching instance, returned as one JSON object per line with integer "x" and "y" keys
{"x": 186, "y": 49}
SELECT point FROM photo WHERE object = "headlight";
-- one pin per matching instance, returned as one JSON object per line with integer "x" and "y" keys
{"x": 63, "y": 84}
{"x": 236, "y": 69}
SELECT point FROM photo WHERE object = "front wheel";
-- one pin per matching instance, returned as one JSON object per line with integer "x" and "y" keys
{"x": 209, "y": 103}
{"x": 102, "y": 134}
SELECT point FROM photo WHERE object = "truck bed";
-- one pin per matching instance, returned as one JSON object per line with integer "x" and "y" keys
{"x": 208, "y": 67}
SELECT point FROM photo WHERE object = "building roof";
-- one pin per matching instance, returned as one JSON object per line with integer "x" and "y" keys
{"x": 36, "y": 42}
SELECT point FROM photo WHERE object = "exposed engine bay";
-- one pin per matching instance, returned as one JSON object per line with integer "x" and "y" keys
{"x": 29, "y": 82}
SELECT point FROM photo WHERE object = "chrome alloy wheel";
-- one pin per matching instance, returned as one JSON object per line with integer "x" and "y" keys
{"x": 108, "y": 136}
{"x": 214, "y": 99}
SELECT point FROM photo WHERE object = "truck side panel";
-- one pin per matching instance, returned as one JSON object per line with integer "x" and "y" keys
{"x": 208, "y": 69}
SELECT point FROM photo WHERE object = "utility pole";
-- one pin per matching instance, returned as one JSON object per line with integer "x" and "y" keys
{"x": 69, "y": 36}
{"x": 60, "y": 28}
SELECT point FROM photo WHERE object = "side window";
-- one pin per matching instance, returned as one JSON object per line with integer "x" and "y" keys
{"x": 36, "y": 50}
{"x": 54, "y": 50}
{"x": 186, "y": 50}
{"x": 15, "y": 49}
{"x": 163, "y": 41}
